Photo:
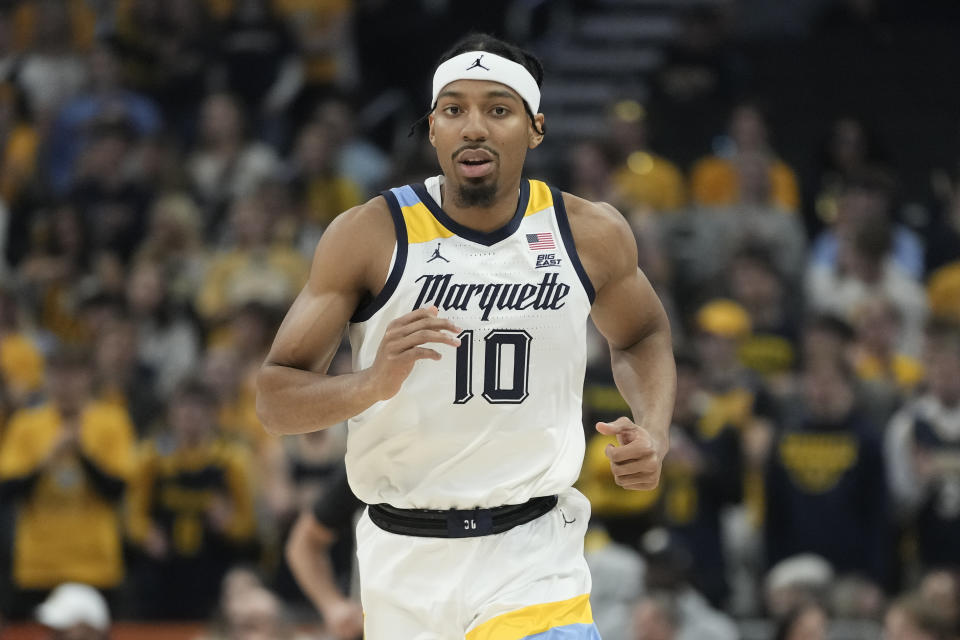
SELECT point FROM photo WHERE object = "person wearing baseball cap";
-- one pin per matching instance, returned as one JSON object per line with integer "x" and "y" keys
{"x": 75, "y": 611}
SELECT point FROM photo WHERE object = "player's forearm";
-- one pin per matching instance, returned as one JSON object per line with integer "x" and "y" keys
{"x": 646, "y": 376}
{"x": 292, "y": 401}
{"x": 311, "y": 567}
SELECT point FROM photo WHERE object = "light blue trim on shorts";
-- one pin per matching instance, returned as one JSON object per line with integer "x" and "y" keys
{"x": 568, "y": 632}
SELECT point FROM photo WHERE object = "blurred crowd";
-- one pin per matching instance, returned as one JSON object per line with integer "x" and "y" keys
{"x": 166, "y": 168}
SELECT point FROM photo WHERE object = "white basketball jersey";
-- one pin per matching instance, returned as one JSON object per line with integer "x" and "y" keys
{"x": 497, "y": 420}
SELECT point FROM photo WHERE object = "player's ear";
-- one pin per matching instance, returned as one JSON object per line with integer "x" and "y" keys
{"x": 432, "y": 136}
{"x": 536, "y": 137}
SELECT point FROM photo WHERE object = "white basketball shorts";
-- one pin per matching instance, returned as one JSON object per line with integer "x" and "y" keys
{"x": 530, "y": 582}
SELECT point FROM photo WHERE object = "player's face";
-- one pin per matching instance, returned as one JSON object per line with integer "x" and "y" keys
{"x": 482, "y": 133}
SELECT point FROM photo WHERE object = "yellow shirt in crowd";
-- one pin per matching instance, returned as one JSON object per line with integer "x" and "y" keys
{"x": 714, "y": 183}
{"x": 65, "y": 530}
{"x": 649, "y": 180}
{"x": 179, "y": 487}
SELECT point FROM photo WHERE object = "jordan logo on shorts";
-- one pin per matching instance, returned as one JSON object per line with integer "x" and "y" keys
{"x": 476, "y": 63}
{"x": 436, "y": 255}
{"x": 565, "y": 521}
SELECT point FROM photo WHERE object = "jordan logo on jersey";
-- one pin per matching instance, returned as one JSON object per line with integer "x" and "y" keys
{"x": 442, "y": 291}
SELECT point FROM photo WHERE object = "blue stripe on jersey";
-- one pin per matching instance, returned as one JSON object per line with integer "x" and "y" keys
{"x": 567, "y": 236}
{"x": 406, "y": 196}
{"x": 568, "y": 632}
{"x": 366, "y": 311}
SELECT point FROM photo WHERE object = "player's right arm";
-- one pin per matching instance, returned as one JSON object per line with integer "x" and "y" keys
{"x": 351, "y": 262}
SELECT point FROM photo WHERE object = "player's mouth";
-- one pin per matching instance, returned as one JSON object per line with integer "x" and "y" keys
{"x": 475, "y": 163}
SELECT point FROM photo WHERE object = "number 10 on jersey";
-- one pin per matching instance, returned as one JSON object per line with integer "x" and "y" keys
{"x": 499, "y": 387}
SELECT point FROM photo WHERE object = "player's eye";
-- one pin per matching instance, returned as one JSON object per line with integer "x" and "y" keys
{"x": 451, "y": 109}
{"x": 500, "y": 111}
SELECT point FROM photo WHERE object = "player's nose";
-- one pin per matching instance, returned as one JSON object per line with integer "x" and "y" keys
{"x": 474, "y": 126}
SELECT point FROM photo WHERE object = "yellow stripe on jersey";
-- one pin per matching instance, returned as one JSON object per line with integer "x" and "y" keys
{"x": 540, "y": 198}
{"x": 422, "y": 226}
{"x": 528, "y": 621}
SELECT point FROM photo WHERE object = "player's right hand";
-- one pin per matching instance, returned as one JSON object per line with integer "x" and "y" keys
{"x": 401, "y": 347}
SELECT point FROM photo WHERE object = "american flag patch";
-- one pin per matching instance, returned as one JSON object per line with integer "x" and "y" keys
{"x": 540, "y": 241}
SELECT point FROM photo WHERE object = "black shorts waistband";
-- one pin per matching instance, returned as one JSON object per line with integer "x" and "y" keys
{"x": 458, "y": 523}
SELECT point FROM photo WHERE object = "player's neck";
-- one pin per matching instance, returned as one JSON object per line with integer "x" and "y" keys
{"x": 483, "y": 218}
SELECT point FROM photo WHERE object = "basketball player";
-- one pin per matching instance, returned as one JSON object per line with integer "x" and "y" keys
{"x": 464, "y": 406}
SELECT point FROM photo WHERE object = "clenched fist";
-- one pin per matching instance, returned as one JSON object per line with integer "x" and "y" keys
{"x": 637, "y": 461}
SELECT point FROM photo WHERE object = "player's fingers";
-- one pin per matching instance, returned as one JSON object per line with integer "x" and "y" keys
{"x": 649, "y": 485}
{"x": 616, "y": 427}
{"x": 423, "y": 337}
{"x": 437, "y": 324}
{"x": 416, "y": 314}
{"x": 421, "y": 353}
{"x": 647, "y": 465}
{"x": 633, "y": 451}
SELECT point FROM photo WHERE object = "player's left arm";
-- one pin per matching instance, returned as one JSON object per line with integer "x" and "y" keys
{"x": 629, "y": 314}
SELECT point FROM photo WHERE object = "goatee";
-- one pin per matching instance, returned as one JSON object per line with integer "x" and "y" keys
{"x": 475, "y": 195}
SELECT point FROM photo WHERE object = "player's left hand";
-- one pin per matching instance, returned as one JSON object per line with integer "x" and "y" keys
{"x": 637, "y": 462}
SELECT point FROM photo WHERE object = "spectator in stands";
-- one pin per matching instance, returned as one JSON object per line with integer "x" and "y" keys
{"x": 759, "y": 221}
{"x": 942, "y": 235}
{"x": 656, "y": 618}
{"x": 19, "y": 144}
{"x": 53, "y": 269}
{"x": 617, "y": 573}
{"x": 174, "y": 242}
{"x": 257, "y": 614}
{"x": 260, "y": 63}
{"x": 357, "y": 158}
{"x": 715, "y": 180}
{"x": 66, "y": 465}
{"x": 324, "y": 39}
{"x": 75, "y": 611}
{"x": 111, "y": 202}
{"x": 167, "y": 341}
{"x": 876, "y": 358}
{"x": 190, "y": 509}
{"x": 169, "y": 52}
{"x": 123, "y": 378}
{"x": 867, "y": 200}
{"x": 794, "y": 582}
{"x": 51, "y": 69}
{"x": 21, "y": 363}
{"x": 864, "y": 270}
{"x": 923, "y": 453}
{"x": 591, "y": 172}
{"x": 252, "y": 269}
{"x": 806, "y": 622}
{"x": 226, "y": 164}
{"x": 668, "y": 572}
{"x": 324, "y": 191}
{"x": 826, "y": 491}
{"x": 941, "y": 588}
{"x": 755, "y": 282}
{"x": 943, "y": 291}
{"x": 105, "y": 100}
{"x": 826, "y": 337}
{"x": 646, "y": 181}
{"x": 849, "y": 149}
{"x": 702, "y": 474}
{"x": 912, "y": 617}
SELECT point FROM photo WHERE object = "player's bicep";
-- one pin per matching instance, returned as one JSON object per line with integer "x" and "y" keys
{"x": 627, "y": 309}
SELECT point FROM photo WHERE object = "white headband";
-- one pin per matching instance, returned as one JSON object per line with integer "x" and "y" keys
{"x": 483, "y": 65}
